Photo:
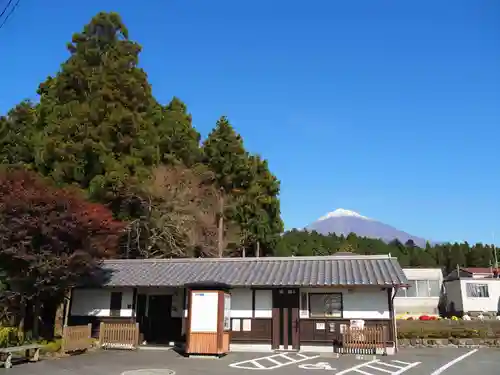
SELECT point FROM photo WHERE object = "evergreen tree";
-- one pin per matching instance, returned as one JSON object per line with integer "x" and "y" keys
{"x": 98, "y": 133}
{"x": 225, "y": 155}
{"x": 258, "y": 210}
{"x": 18, "y": 131}
{"x": 178, "y": 140}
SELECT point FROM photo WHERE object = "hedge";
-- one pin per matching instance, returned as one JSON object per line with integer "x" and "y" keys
{"x": 444, "y": 329}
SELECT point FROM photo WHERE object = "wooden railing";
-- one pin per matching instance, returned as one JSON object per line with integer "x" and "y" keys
{"x": 119, "y": 335}
{"x": 370, "y": 340}
{"x": 76, "y": 338}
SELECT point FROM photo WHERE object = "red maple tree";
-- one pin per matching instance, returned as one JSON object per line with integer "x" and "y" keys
{"x": 51, "y": 238}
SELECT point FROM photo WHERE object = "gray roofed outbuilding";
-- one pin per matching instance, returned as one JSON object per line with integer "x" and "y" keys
{"x": 339, "y": 270}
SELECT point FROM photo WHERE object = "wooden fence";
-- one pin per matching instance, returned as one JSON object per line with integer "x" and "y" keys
{"x": 76, "y": 338}
{"x": 370, "y": 340}
{"x": 119, "y": 335}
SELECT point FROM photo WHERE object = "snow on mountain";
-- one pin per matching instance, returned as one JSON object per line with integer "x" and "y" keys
{"x": 342, "y": 221}
{"x": 342, "y": 212}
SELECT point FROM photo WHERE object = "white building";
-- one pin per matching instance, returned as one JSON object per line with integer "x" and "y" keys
{"x": 472, "y": 291}
{"x": 422, "y": 297}
{"x": 288, "y": 303}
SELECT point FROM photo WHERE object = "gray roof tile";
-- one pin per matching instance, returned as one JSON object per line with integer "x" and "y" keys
{"x": 270, "y": 271}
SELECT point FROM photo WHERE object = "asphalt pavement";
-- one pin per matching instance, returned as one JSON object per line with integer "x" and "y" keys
{"x": 431, "y": 361}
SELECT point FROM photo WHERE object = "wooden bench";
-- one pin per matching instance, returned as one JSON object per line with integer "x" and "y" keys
{"x": 7, "y": 353}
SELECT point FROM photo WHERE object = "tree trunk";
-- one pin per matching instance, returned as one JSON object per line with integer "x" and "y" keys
{"x": 22, "y": 316}
{"x": 36, "y": 318}
{"x": 220, "y": 239}
{"x": 257, "y": 250}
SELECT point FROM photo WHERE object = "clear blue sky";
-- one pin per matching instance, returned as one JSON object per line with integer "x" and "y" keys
{"x": 388, "y": 108}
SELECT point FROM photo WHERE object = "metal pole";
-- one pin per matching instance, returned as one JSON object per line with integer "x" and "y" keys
{"x": 495, "y": 256}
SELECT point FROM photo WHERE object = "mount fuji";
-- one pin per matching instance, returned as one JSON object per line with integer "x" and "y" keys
{"x": 343, "y": 221}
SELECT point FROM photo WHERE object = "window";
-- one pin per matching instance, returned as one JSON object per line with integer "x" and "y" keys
{"x": 434, "y": 288}
{"x": 477, "y": 290}
{"x": 421, "y": 288}
{"x": 325, "y": 305}
{"x": 115, "y": 304}
{"x": 411, "y": 291}
{"x": 401, "y": 292}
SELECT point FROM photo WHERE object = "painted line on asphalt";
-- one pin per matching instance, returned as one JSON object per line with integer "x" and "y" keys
{"x": 354, "y": 368}
{"x": 451, "y": 363}
{"x": 256, "y": 363}
{"x": 367, "y": 368}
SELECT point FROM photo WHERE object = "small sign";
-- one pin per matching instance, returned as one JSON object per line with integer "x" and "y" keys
{"x": 331, "y": 327}
{"x": 236, "y": 325}
{"x": 357, "y": 324}
{"x": 320, "y": 326}
{"x": 247, "y": 325}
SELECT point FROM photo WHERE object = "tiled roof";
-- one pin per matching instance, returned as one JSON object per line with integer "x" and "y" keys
{"x": 270, "y": 271}
{"x": 475, "y": 270}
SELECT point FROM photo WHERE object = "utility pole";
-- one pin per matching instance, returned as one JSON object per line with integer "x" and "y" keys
{"x": 495, "y": 255}
{"x": 220, "y": 229}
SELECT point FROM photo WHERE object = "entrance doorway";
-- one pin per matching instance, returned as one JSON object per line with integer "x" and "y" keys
{"x": 159, "y": 319}
{"x": 286, "y": 318}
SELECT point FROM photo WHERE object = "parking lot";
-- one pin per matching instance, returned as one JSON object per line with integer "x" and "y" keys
{"x": 408, "y": 362}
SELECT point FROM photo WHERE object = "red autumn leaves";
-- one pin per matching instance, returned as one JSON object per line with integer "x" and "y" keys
{"x": 50, "y": 235}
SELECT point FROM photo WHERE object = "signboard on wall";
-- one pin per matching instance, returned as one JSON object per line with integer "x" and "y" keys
{"x": 227, "y": 312}
{"x": 204, "y": 308}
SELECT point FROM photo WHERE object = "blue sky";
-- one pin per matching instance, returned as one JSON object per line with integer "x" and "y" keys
{"x": 388, "y": 108}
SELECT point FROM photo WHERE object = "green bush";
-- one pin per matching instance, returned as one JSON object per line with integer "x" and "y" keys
{"x": 9, "y": 336}
{"x": 51, "y": 346}
{"x": 447, "y": 329}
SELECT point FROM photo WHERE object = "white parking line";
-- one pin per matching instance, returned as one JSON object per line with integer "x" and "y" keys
{"x": 451, "y": 363}
{"x": 380, "y": 369}
{"x": 275, "y": 359}
{"x": 394, "y": 368}
{"x": 355, "y": 367}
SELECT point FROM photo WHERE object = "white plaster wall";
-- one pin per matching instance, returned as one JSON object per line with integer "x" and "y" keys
{"x": 358, "y": 303}
{"x": 241, "y": 303}
{"x": 491, "y": 303}
{"x": 416, "y": 305}
{"x": 263, "y": 303}
{"x": 96, "y": 302}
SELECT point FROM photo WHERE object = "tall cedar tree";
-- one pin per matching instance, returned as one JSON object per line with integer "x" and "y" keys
{"x": 258, "y": 210}
{"x": 178, "y": 140}
{"x": 225, "y": 155}
{"x": 50, "y": 238}
{"x": 96, "y": 111}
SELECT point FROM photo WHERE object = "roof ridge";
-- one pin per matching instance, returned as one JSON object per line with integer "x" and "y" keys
{"x": 251, "y": 259}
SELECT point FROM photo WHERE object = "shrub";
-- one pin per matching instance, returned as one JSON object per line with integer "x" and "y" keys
{"x": 446, "y": 329}
{"x": 9, "y": 336}
{"x": 51, "y": 346}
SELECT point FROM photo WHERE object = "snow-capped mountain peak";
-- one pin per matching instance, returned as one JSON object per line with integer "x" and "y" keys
{"x": 340, "y": 212}
{"x": 343, "y": 222}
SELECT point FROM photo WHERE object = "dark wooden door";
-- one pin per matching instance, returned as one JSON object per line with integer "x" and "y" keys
{"x": 286, "y": 318}
{"x": 159, "y": 318}
{"x": 140, "y": 314}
